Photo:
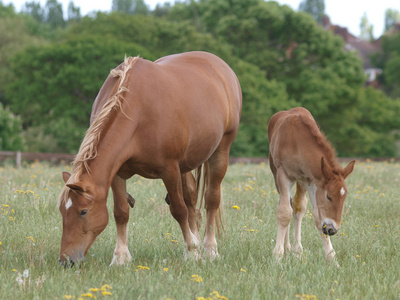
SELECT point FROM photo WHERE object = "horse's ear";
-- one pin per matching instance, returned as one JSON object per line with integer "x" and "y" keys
{"x": 75, "y": 187}
{"x": 349, "y": 168}
{"x": 326, "y": 169}
{"x": 65, "y": 176}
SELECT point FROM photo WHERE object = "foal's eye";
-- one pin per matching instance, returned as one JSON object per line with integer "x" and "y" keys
{"x": 83, "y": 212}
{"x": 329, "y": 198}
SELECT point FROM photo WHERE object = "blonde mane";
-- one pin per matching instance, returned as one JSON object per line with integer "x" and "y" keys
{"x": 88, "y": 149}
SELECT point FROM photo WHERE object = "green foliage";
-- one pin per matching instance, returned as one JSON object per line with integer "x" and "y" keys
{"x": 315, "y": 8}
{"x": 58, "y": 83}
{"x": 130, "y": 7}
{"x": 11, "y": 138}
{"x": 366, "y": 29}
{"x": 389, "y": 61}
{"x": 391, "y": 17}
{"x": 281, "y": 57}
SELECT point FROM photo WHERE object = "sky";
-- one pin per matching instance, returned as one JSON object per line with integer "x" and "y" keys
{"x": 346, "y": 13}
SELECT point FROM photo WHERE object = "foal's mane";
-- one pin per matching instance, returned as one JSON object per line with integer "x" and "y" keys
{"x": 88, "y": 149}
{"x": 322, "y": 141}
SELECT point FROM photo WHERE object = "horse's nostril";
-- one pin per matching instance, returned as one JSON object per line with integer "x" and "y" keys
{"x": 331, "y": 231}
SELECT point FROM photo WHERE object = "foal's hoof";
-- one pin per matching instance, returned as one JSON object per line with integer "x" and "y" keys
{"x": 212, "y": 253}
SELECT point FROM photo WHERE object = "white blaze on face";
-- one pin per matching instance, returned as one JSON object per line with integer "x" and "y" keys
{"x": 68, "y": 204}
{"x": 342, "y": 191}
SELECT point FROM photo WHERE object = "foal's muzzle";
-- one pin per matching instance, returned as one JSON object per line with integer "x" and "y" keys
{"x": 328, "y": 229}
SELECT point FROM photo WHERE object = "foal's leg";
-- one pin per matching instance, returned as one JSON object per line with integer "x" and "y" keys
{"x": 173, "y": 183}
{"x": 121, "y": 215}
{"x": 190, "y": 197}
{"x": 284, "y": 213}
{"x": 299, "y": 205}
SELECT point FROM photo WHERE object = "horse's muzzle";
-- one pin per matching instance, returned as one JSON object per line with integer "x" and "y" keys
{"x": 328, "y": 229}
{"x": 69, "y": 263}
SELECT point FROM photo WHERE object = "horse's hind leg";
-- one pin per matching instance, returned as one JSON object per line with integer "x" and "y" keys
{"x": 218, "y": 164}
{"x": 284, "y": 213}
{"x": 121, "y": 215}
{"x": 173, "y": 182}
{"x": 299, "y": 205}
{"x": 190, "y": 197}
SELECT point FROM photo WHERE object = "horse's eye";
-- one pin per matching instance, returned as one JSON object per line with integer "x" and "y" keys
{"x": 329, "y": 198}
{"x": 83, "y": 212}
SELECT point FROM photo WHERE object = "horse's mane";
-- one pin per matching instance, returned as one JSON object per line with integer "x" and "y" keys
{"x": 322, "y": 141}
{"x": 88, "y": 149}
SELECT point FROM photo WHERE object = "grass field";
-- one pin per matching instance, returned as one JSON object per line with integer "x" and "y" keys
{"x": 367, "y": 245}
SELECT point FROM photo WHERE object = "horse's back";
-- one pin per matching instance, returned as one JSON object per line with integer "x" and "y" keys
{"x": 181, "y": 107}
{"x": 289, "y": 134}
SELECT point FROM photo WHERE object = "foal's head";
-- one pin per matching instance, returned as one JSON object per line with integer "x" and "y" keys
{"x": 330, "y": 196}
{"x": 84, "y": 215}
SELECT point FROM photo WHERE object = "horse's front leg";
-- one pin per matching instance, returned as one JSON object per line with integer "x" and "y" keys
{"x": 173, "y": 182}
{"x": 121, "y": 215}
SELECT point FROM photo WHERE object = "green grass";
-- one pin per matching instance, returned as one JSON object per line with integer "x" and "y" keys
{"x": 367, "y": 244}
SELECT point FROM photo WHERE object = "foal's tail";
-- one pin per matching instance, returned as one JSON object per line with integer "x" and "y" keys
{"x": 202, "y": 177}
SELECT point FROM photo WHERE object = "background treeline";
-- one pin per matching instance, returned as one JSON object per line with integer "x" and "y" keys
{"x": 52, "y": 66}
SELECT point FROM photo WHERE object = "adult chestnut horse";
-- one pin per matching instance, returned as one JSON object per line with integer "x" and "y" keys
{"x": 299, "y": 153}
{"x": 158, "y": 119}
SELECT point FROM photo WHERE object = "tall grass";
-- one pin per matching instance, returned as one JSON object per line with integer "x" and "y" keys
{"x": 367, "y": 244}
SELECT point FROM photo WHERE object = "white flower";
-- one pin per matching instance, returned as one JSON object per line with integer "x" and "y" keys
{"x": 19, "y": 279}
{"x": 26, "y": 273}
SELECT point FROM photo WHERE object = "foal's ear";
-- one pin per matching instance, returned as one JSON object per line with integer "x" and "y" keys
{"x": 326, "y": 169}
{"x": 65, "y": 176}
{"x": 349, "y": 168}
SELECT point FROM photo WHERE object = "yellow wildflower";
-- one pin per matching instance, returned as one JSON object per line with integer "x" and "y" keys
{"x": 376, "y": 226}
{"x": 142, "y": 268}
{"x": 106, "y": 286}
{"x": 87, "y": 295}
{"x": 197, "y": 278}
{"x": 106, "y": 293}
{"x": 93, "y": 290}
{"x": 243, "y": 270}
{"x": 67, "y": 297}
{"x": 235, "y": 206}
{"x": 358, "y": 256}
{"x": 165, "y": 269}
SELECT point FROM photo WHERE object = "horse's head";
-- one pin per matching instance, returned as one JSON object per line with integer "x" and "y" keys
{"x": 85, "y": 216}
{"x": 330, "y": 196}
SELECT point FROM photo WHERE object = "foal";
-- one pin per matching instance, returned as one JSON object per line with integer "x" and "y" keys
{"x": 299, "y": 153}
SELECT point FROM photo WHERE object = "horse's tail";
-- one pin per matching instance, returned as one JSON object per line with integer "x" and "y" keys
{"x": 202, "y": 177}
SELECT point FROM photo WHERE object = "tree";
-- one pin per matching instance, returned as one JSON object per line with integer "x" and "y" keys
{"x": 7, "y": 11}
{"x": 54, "y": 13}
{"x": 310, "y": 64}
{"x": 74, "y": 13}
{"x": 366, "y": 29}
{"x": 54, "y": 86}
{"x": 130, "y": 7}
{"x": 11, "y": 138}
{"x": 35, "y": 10}
{"x": 316, "y": 8}
{"x": 391, "y": 17}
